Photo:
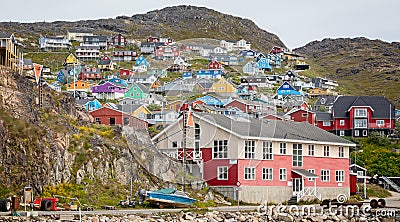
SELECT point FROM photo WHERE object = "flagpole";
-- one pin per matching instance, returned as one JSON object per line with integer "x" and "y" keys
{"x": 74, "y": 80}
{"x": 184, "y": 151}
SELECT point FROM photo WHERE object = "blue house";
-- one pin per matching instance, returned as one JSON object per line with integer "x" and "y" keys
{"x": 211, "y": 101}
{"x": 286, "y": 90}
{"x": 264, "y": 64}
{"x": 209, "y": 73}
{"x": 250, "y": 68}
{"x": 64, "y": 76}
{"x": 119, "y": 81}
{"x": 141, "y": 61}
{"x": 89, "y": 104}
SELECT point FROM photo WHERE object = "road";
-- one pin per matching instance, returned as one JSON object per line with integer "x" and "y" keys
{"x": 131, "y": 211}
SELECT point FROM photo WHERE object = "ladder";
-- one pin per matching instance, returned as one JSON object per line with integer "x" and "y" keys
{"x": 391, "y": 183}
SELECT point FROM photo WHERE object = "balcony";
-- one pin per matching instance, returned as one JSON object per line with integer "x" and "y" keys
{"x": 178, "y": 154}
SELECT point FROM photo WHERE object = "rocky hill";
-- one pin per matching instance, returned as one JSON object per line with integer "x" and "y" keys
{"x": 56, "y": 143}
{"x": 178, "y": 22}
{"x": 360, "y": 65}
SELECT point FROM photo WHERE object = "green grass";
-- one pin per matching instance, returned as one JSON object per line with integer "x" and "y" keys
{"x": 375, "y": 191}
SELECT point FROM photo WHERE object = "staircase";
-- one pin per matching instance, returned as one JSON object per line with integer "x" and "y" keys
{"x": 292, "y": 200}
{"x": 391, "y": 183}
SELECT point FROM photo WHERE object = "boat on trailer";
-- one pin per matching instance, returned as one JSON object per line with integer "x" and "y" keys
{"x": 169, "y": 197}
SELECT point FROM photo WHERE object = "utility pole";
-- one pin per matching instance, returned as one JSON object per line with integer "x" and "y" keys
{"x": 184, "y": 150}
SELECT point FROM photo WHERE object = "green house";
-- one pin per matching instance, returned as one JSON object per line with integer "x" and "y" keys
{"x": 137, "y": 91}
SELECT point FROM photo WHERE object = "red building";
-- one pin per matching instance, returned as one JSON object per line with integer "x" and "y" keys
{"x": 358, "y": 116}
{"x": 272, "y": 160}
{"x": 90, "y": 73}
{"x": 118, "y": 41}
{"x": 301, "y": 115}
{"x": 125, "y": 73}
{"x": 166, "y": 41}
{"x": 214, "y": 65}
{"x": 167, "y": 52}
{"x": 112, "y": 117}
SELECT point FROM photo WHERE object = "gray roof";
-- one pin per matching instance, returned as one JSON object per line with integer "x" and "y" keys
{"x": 382, "y": 107}
{"x": 325, "y": 101}
{"x": 323, "y": 116}
{"x": 83, "y": 101}
{"x": 5, "y": 35}
{"x": 129, "y": 108}
{"x": 28, "y": 62}
{"x": 142, "y": 87}
{"x": 273, "y": 129}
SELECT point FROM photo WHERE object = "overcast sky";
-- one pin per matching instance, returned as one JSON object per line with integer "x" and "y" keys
{"x": 296, "y": 22}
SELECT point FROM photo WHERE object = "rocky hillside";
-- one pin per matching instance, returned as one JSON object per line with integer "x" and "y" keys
{"x": 57, "y": 144}
{"x": 178, "y": 22}
{"x": 361, "y": 66}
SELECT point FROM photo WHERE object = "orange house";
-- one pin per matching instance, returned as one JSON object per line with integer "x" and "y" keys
{"x": 78, "y": 86}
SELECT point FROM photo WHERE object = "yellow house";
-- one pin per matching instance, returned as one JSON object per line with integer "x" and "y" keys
{"x": 174, "y": 105}
{"x": 140, "y": 112}
{"x": 223, "y": 86}
{"x": 78, "y": 86}
{"x": 71, "y": 59}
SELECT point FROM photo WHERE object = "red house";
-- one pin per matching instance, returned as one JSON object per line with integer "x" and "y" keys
{"x": 301, "y": 115}
{"x": 112, "y": 117}
{"x": 358, "y": 116}
{"x": 276, "y": 50}
{"x": 118, "y": 41}
{"x": 167, "y": 52}
{"x": 166, "y": 41}
{"x": 246, "y": 106}
{"x": 90, "y": 73}
{"x": 214, "y": 65}
{"x": 125, "y": 73}
{"x": 271, "y": 160}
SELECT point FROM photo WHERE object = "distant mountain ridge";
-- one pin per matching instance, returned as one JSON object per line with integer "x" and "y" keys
{"x": 360, "y": 65}
{"x": 177, "y": 22}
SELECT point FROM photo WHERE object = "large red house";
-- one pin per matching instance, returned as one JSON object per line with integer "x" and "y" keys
{"x": 112, "y": 117}
{"x": 358, "y": 116}
{"x": 271, "y": 160}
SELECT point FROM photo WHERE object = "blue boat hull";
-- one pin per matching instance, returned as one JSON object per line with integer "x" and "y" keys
{"x": 170, "y": 199}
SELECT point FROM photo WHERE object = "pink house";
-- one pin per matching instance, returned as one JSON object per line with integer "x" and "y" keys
{"x": 271, "y": 160}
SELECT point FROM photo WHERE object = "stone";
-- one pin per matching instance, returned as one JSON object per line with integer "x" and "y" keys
{"x": 242, "y": 218}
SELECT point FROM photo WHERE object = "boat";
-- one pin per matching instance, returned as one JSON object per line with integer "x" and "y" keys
{"x": 169, "y": 197}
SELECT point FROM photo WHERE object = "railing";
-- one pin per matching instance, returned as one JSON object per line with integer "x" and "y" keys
{"x": 308, "y": 191}
{"x": 391, "y": 183}
{"x": 190, "y": 154}
{"x": 379, "y": 126}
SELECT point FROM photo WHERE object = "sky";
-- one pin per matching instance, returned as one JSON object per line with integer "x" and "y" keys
{"x": 296, "y": 22}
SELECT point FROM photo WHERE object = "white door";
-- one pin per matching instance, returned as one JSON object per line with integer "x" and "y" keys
{"x": 297, "y": 185}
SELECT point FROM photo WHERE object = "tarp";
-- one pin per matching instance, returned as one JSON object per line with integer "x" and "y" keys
{"x": 166, "y": 191}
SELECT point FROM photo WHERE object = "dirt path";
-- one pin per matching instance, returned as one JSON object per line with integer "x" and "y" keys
{"x": 393, "y": 201}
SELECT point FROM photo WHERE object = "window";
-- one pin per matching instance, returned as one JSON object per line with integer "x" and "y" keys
{"x": 282, "y": 148}
{"x": 341, "y": 122}
{"x": 341, "y": 133}
{"x": 220, "y": 149}
{"x": 282, "y": 174}
{"x": 196, "y": 131}
{"x": 297, "y": 158}
{"x": 360, "y": 173}
{"x": 267, "y": 173}
{"x": 98, "y": 120}
{"x": 326, "y": 123}
{"x": 380, "y": 122}
{"x": 326, "y": 150}
{"x": 174, "y": 144}
{"x": 365, "y": 133}
{"x": 304, "y": 114}
{"x": 360, "y": 113}
{"x": 339, "y": 175}
{"x": 249, "y": 173}
{"x": 360, "y": 123}
{"x": 249, "y": 149}
{"x": 222, "y": 173}
{"x": 325, "y": 175}
{"x": 341, "y": 151}
{"x": 356, "y": 133}
{"x": 311, "y": 171}
{"x": 311, "y": 150}
{"x": 267, "y": 151}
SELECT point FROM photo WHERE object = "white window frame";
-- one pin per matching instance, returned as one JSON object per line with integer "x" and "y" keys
{"x": 326, "y": 123}
{"x": 380, "y": 122}
{"x": 356, "y": 133}
{"x": 282, "y": 174}
{"x": 220, "y": 152}
{"x": 311, "y": 171}
{"x": 267, "y": 174}
{"x": 311, "y": 150}
{"x": 365, "y": 133}
{"x": 282, "y": 148}
{"x": 341, "y": 122}
{"x": 221, "y": 171}
{"x": 339, "y": 175}
{"x": 297, "y": 157}
{"x": 325, "y": 175}
{"x": 341, "y": 151}
{"x": 360, "y": 113}
{"x": 360, "y": 123}
{"x": 341, "y": 133}
{"x": 326, "y": 151}
{"x": 249, "y": 149}
{"x": 267, "y": 151}
{"x": 249, "y": 173}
